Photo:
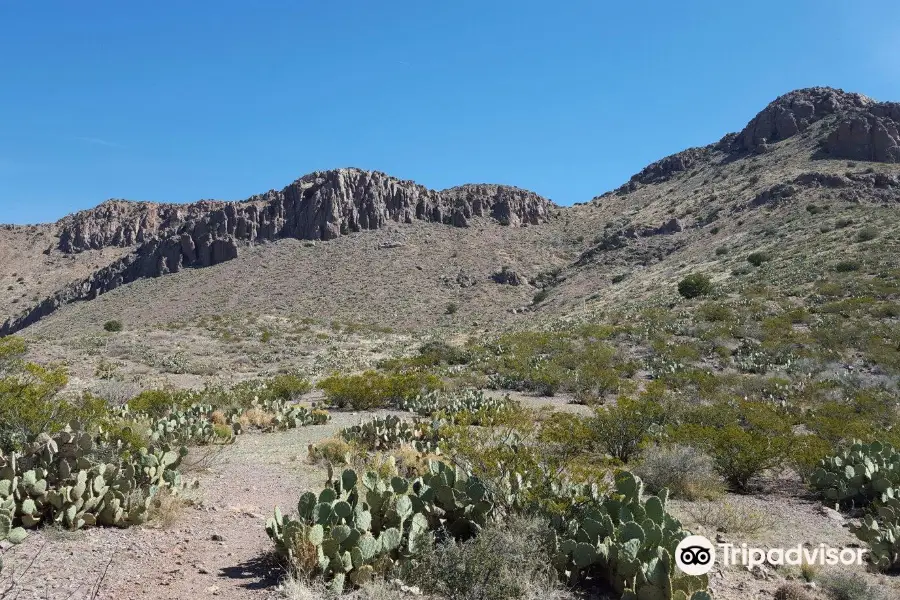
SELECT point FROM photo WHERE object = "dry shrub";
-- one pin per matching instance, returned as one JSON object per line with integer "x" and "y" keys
{"x": 685, "y": 471}
{"x": 202, "y": 459}
{"x": 728, "y": 518}
{"x": 166, "y": 508}
{"x": 410, "y": 462}
{"x": 218, "y": 418}
{"x": 257, "y": 418}
{"x": 305, "y": 558}
{"x": 793, "y": 591}
{"x": 850, "y": 586}
{"x": 333, "y": 451}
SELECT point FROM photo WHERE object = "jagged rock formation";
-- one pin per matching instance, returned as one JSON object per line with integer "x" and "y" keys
{"x": 861, "y": 129}
{"x": 864, "y": 129}
{"x": 507, "y": 204}
{"x": 319, "y": 206}
{"x": 794, "y": 112}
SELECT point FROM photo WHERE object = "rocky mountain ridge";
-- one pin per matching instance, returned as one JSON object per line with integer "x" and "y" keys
{"x": 319, "y": 206}
{"x": 856, "y": 128}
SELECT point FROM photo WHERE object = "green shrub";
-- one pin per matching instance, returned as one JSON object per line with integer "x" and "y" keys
{"x": 113, "y": 326}
{"x": 721, "y": 251}
{"x": 758, "y": 258}
{"x": 372, "y": 389}
{"x": 694, "y": 285}
{"x": 452, "y": 308}
{"x": 29, "y": 398}
{"x": 744, "y": 439}
{"x": 623, "y": 429}
{"x": 846, "y": 266}
{"x": 843, "y": 222}
{"x": 867, "y": 234}
{"x": 714, "y": 312}
{"x": 540, "y": 296}
{"x": 437, "y": 352}
{"x": 157, "y": 403}
{"x": 288, "y": 387}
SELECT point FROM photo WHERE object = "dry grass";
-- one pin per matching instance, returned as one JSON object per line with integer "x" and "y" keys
{"x": 333, "y": 451}
{"x": 257, "y": 418}
{"x": 166, "y": 508}
{"x": 725, "y": 517}
{"x": 218, "y": 418}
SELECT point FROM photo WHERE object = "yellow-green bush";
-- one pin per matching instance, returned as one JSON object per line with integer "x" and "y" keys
{"x": 744, "y": 438}
{"x": 372, "y": 389}
{"x": 30, "y": 400}
{"x": 288, "y": 387}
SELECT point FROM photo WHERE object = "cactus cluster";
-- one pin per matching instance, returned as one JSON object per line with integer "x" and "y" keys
{"x": 389, "y": 432}
{"x": 859, "y": 475}
{"x": 449, "y": 404}
{"x": 867, "y": 475}
{"x": 881, "y": 532}
{"x": 188, "y": 426}
{"x": 58, "y": 480}
{"x": 357, "y": 528}
{"x": 288, "y": 415}
{"x": 193, "y": 425}
{"x": 628, "y": 540}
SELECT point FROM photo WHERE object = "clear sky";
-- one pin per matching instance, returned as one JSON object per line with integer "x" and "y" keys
{"x": 178, "y": 101}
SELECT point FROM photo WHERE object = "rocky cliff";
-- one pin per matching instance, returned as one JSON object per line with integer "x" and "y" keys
{"x": 319, "y": 206}
{"x": 854, "y": 127}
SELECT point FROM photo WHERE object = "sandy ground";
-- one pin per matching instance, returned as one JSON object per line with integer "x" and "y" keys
{"x": 218, "y": 547}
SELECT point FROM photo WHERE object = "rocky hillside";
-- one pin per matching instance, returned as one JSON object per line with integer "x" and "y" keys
{"x": 757, "y": 188}
{"x": 166, "y": 238}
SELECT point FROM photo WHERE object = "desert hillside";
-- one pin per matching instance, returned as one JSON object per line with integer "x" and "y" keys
{"x": 711, "y": 348}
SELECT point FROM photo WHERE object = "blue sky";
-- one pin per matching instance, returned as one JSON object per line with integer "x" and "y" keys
{"x": 178, "y": 101}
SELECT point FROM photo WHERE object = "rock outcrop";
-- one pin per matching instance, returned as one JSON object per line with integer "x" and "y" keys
{"x": 319, "y": 206}
{"x": 794, "y": 112}
{"x": 863, "y": 129}
{"x": 872, "y": 134}
{"x": 859, "y": 129}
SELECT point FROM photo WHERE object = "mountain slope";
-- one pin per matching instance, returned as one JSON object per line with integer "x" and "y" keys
{"x": 166, "y": 238}
{"x": 807, "y": 160}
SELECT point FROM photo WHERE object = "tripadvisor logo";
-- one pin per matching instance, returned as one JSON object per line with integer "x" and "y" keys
{"x": 696, "y": 555}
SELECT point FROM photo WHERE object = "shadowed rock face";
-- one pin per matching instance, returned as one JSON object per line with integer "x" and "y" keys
{"x": 319, "y": 206}
{"x": 794, "y": 112}
{"x": 863, "y": 128}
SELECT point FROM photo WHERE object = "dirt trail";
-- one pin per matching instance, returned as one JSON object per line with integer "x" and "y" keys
{"x": 214, "y": 549}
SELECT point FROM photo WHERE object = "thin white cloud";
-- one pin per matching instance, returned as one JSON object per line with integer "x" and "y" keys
{"x": 99, "y": 142}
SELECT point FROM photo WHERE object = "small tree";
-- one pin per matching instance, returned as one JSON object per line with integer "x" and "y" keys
{"x": 694, "y": 285}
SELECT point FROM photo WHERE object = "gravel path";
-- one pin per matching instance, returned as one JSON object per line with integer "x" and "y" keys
{"x": 214, "y": 549}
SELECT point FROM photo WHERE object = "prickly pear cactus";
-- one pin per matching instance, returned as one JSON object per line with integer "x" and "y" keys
{"x": 385, "y": 433}
{"x": 360, "y": 527}
{"x": 449, "y": 404}
{"x": 58, "y": 480}
{"x": 625, "y": 539}
{"x": 859, "y": 475}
